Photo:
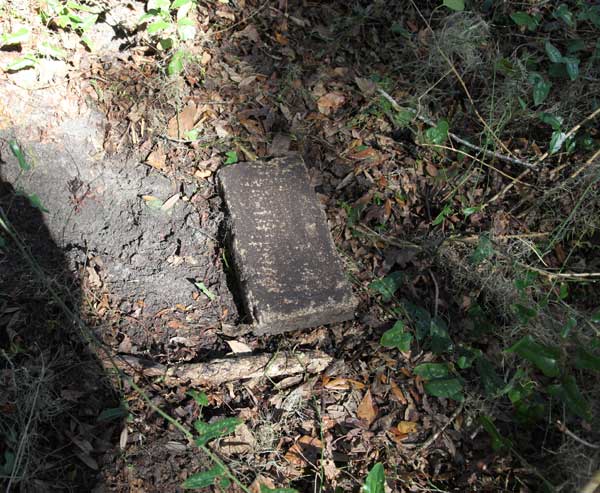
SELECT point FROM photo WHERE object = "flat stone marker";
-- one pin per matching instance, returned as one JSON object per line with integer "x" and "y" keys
{"x": 289, "y": 272}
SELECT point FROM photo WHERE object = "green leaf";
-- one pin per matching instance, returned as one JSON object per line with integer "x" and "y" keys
{"x": 210, "y": 431}
{"x": 180, "y": 3}
{"x": 556, "y": 141}
{"x": 541, "y": 88}
{"x": 186, "y": 29}
{"x": 37, "y": 202}
{"x": 466, "y": 356}
{"x": 375, "y": 481}
{"x": 554, "y": 121}
{"x": 585, "y": 360}
{"x": 53, "y": 51}
{"x": 572, "y": 66}
{"x": 162, "y": 5}
{"x": 14, "y": 38}
{"x": 113, "y": 414}
{"x": 568, "y": 327}
{"x": 232, "y": 157}
{"x": 266, "y": 489}
{"x": 456, "y": 5}
{"x": 158, "y": 26}
{"x": 498, "y": 441}
{"x": 387, "y": 285}
{"x": 192, "y": 134}
{"x": 595, "y": 317}
{"x": 492, "y": 383}
{"x": 397, "y": 337}
{"x": 524, "y": 19}
{"x": 553, "y": 52}
{"x": 440, "y": 339}
{"x": 484, "y": 250}
{"x": 467, "y": 211}
{"x": 203, "y": 479}
{"x": 524, "y": 313}
{"x": 438, "y": 134}
{"x": 200, "y": 397}
{"x": 568, "y": 392}
{"x": 27, "y": 61}
{"x": 175, "y": 66}
{"x": 429, "y": 371}
{"x": 543, "y": 357}
{"x": 420, "y": 317}
{"x": 563, "y": 13}
{"x": 202, "y": 287}
{"x": 439, "y": 219}
{"x": 449, "y": 387}
{"x": 18, "y": 153}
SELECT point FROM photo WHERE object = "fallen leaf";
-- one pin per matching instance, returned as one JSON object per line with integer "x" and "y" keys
{"x": 205, "y": 58}
{"x": 342, "y": 384}
{"x": 249, "y": 32}
{"x": 367, "y": 86}
{"x": 397, "y": 393}
{"x": 367, "y": 410}
{"x": 169, "y": 203}
{"x": 330, "y": 102}
{"x": 202, "y": 173}
{"x": 182, "y": 123}
{"x": 157, "y": 158}
{"x": 407, "y": 427}
{"x": 238, "y": 347}
{"x": 253, "y": 127}
{"x": 305, "y": 450}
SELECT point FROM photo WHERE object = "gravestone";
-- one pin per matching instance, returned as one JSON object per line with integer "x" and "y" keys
{"x": 289, "y": 274}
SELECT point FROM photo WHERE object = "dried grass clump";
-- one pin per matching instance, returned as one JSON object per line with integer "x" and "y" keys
{"x": 28, "y": 392}
{"x": 464, "y": 38}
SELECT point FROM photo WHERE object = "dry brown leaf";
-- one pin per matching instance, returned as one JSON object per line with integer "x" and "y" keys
{"x": 202, "y": 173}
{"x": 407, "y": 427}
{"x": 367, "y": 410}
{"x": 205, "y": 58}
{"x": 249, "y": 32}
{"x": 253, "y": 127}
{"x": 238, "y": 347}
{"x": 157, "y": 158}
{"x": 184, "y": 122}
{"x": 170, "y": 203}
{"x": 397, "y": 393}
{"x": 306, "y": 449}
{"x": 330, "y": 102}
{"x": 431, "y": 170}
{"x": 342, "y": 384}
{"x": 367, "y": 87}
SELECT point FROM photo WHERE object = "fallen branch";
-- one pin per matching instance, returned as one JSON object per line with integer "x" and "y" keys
{"x": 219, "y": 371}
{"x": 223, "y": 370}
{"x": 455, "y": 137}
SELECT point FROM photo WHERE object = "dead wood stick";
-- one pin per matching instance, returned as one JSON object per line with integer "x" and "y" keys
{"x": 223, "y": 370}
{"x": 455, "y": 137}
{"x": 219, "y": 371}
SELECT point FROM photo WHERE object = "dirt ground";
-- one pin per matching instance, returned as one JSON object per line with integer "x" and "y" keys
{"x": 132, "y": 233}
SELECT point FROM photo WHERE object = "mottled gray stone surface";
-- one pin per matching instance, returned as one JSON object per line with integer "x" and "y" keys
{"x": 289, "y": 272}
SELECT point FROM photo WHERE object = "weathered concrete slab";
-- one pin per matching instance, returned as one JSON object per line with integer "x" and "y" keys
{"x": 289, "y": 272}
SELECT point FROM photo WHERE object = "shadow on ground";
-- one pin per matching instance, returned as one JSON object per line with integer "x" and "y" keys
{"x": 58, "y": 410}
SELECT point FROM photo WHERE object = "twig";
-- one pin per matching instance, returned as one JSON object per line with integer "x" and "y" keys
{"x": 594, "y": 157}
{"x": 563, "y": 428}
{"x": 239, "y": 23}
{"x": 427, "y": 443}
{"x": 455, "y": 137}
{"x": 189, "y": 435}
